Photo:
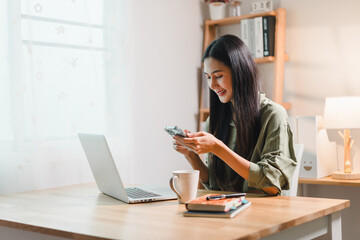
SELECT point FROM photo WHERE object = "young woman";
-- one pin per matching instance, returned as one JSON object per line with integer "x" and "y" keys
{"x": 247, "y": 137}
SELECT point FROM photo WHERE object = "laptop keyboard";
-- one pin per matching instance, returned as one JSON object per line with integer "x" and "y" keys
{"x": 136, "y": 193}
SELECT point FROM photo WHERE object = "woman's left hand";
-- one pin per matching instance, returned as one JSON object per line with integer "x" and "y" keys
{"x": 199, "y": 142}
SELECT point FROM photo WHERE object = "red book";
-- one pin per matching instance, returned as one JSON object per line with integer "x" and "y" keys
{"x": 221, "y": 205}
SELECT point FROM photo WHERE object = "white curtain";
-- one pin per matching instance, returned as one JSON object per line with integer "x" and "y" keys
{"x": 64, "y": 67}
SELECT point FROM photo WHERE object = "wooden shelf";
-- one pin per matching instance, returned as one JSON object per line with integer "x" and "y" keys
{"x": 204, "y": 114}
{"x": 235, "y": 20}
{"x": 269, "y": 59}
{"x": 205, "y": 110}
{"x": 330, "y": 181}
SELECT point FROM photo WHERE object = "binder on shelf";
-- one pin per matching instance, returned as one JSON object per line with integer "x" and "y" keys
{"x": 259, "y": 42}
{"x": 247, "y": 34}
{"x": 269, "y": 35}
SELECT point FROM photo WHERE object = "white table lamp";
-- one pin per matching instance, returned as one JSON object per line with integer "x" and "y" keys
{"x": 343, "y": 113}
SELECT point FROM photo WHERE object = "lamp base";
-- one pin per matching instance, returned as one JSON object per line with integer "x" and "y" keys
{"x": 345, "y": 176}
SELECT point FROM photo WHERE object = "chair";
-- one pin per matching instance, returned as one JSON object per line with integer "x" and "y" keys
{"x": 299, "y": 149}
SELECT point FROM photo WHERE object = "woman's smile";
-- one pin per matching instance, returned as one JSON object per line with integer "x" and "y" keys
{"x": 221, "y": 93}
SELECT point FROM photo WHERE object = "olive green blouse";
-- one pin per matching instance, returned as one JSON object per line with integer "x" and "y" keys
{"x": 273, "y": 161}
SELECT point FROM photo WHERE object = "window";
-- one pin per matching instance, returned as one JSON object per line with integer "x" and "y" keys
{"x": 56, "y": 81}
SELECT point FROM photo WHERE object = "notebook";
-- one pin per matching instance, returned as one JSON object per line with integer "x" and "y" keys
{"x": 229, "y": 214}
{"x": 108, "y": 178}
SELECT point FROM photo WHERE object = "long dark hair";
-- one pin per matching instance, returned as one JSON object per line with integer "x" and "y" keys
{"x": 231, "y": 51}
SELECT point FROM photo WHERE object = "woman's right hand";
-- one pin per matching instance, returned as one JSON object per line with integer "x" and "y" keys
{"x": 192, "y": 157}
{"x": 179, "y": 147}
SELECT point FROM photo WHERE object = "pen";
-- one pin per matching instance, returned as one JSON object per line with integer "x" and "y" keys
{"x": 223, "y": 196}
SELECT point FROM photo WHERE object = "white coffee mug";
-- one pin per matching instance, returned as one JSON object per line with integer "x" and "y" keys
{"x": 185, "y": 183}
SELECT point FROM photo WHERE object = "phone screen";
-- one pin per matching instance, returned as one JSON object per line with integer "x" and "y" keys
{"x": 175, "y": 130}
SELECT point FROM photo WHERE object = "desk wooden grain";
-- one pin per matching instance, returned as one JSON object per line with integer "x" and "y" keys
{"x": 81, "y": 212}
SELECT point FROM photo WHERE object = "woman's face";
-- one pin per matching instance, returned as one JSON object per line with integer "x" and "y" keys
{"x": 219, "y": 78}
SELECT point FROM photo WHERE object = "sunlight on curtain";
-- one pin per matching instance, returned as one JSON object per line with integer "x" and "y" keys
{"x": 63, "y": 59}
{"x": 5, "y": 119}
{"x": 63, "y": 64}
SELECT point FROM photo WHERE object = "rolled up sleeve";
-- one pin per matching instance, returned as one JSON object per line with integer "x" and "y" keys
{"x": 275, "y": 162}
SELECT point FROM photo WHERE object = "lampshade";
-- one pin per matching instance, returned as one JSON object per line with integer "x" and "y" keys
{"x": 342, "y": 113}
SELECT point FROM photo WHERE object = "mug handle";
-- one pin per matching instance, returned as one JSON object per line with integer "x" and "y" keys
{"x": 172, "y": 185}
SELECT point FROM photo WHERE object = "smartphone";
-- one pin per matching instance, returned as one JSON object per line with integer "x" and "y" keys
{"x": 175, "y": 130}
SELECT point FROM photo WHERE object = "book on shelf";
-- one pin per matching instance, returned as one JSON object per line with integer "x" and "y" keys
{"x": 247, "y": 34}
{"x": 269, "y": 35}
{"x": 220, "y": 205}
{"x": 259, "y": 41}
{"x": 229, "y": 214}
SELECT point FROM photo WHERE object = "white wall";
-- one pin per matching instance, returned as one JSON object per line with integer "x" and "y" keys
{"x": 166, "y": 47}
{"x": 323, "y": 44}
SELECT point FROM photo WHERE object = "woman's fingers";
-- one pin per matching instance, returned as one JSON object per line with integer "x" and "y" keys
{"x": 191, "y": 140}
{"x": 198, "y": 142}
{"x": 187, "y": 145}
{"x": 186, "y": 141}
{"x": 187, "y": 131}
{"x": 180, "y": 148}
{"x": 195, "y": 134}
{"x": 179, "y": 140}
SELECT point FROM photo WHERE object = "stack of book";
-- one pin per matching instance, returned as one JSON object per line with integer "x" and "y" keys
{"x": 222, "y": 208}
{"x": 259, "y": 35}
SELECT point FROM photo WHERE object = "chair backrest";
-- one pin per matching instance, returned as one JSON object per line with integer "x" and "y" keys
{"x": 299, "y": 149}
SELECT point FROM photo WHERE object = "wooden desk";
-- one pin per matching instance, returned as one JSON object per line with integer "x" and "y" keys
{"x": 330, "y": 181}
{"x": 81, "y": 212}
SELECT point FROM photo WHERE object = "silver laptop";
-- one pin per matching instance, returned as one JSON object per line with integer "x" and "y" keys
{"x": 108, "y": 178}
